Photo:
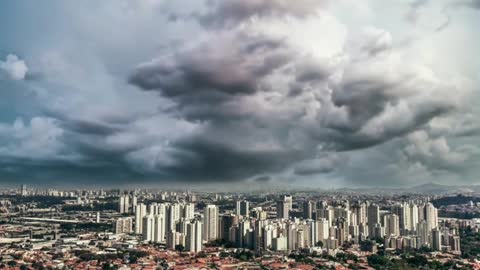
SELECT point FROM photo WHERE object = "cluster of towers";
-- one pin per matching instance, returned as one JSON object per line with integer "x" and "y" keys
{"x": 401, "y": 225}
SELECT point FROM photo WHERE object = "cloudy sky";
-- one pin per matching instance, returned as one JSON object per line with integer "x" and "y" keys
{"x": 253, "y": 92}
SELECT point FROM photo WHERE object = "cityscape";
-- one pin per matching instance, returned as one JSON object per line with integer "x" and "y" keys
{"x": 239, "y": 134}
{"x": 141, "y": 229}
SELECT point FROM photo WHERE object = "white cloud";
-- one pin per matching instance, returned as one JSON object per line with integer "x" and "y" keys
{"x": 14, "y": 68}
{"x": 40, "y": 138}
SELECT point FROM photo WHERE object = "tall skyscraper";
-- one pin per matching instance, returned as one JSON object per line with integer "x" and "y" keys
{"x": 431, "y": 216}
{"x": 243, "y": 208}
{"x": 309, "y": 207}
{"x": 193, "y": 239}
{"x": 392, "y": 226}
{"x": 360, "y": 211}
{"x": 140, "y": 212}
{"x": 124, "y": 204}
{"x": 436, "y": 242}
{"x": 322, "y": 229}
{"x": 134, "y": 202}
{"x": 23, "y": 190}
{"x": 373, "y": 214}
{"x": 284, "y": 206}
{"x": 148, "y": 232}
{"x": 413, "y": 217}
{"x": 226, "y": 222}
{"x": 159, "y": 229}
{"x": 210, "y": 223}
{"x": 243, "y": 230}
{"x": 188, "y": 211}
{"x": 173, "y": 216}
{"x": 402, "y": 210}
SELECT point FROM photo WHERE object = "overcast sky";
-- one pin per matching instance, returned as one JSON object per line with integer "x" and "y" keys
{"x": 315, "y": 93}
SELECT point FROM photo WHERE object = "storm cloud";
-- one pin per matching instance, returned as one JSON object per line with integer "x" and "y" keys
{"x": 227, "y": 94}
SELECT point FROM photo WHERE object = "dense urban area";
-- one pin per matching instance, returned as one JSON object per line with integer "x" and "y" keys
{"x": 147, "y": 229}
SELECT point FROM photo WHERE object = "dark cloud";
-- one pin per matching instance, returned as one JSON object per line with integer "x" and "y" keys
{"x": 322, "y": 165}
{"x": 214, "y": 73}
{"x": 202, "y": 159}
{"x": 232, "y": 65}
{"x": 231, "y": 86}
{"x": 232, "y": 12}
{"x": 238, "y": 102}
{"x": 262, "y": 179}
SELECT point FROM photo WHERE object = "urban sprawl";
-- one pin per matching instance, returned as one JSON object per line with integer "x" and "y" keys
{"x": 142, "y": 229}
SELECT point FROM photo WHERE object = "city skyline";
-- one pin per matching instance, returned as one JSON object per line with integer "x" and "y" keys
{"x": 239, "y": 94}
{"x": 147, "y": 229}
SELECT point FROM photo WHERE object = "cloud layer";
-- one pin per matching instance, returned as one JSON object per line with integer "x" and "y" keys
{"x": 232, "y": 91}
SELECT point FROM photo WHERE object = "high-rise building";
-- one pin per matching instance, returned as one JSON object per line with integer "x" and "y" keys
{"x": 403, "y": 212}
{"x": 226, "y": 222}
{"x": 328, "y": 213}
{"x": 259, "y": 214}
{"x": 140, "y": 212}
{"x": 243, "y": 229}
{"x": 188, "y": 211}
{"x": 173, "y": 239}
{"x": 173, "y": 216}
{"x": 360, "y": 211}
{"x": 413, "y": 217}
{"x": 309, "y": 207}
{"x": 193, "y": 239}
{"x": 124, "y": 204}
{"x": 23, "y": 190}
{"x": 153, "y": 209}
{"x": 436, "y": 242}
{"x": 134, "y": 203}
{"x": 284, "y": 206}
{"x": 159, "y": 229}
{"x": 392, "y": 226}
{"x": 267, "y": 237}
{"x": 148, "y": 232}
{"x": 210, "y": 223}
{"x": 322, "y": 229}
{"x": 123, "y": 225}
{"x": 243, "y": 208}
{"x": 431, "y": 216}
{"x": 279, "y": 243}
{"x": 424, "y": 233}
{"x": 373, "y": 214}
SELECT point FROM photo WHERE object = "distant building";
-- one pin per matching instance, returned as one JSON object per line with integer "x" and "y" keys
{"x": 309, "y": 207}
{"x": 124, "y": 204}
{"x": 284, "y": 206}
{"x": 148, "y": 232}
{"x": 436, "y": 240}
{"x": 210, "y": 223}
{"x": 23, "y": 190}
{"x": 140, "y": 212}
{"x": 123, "y": 225}
{"x": 193, "y": 238}
{"x": 243, "y": 208}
